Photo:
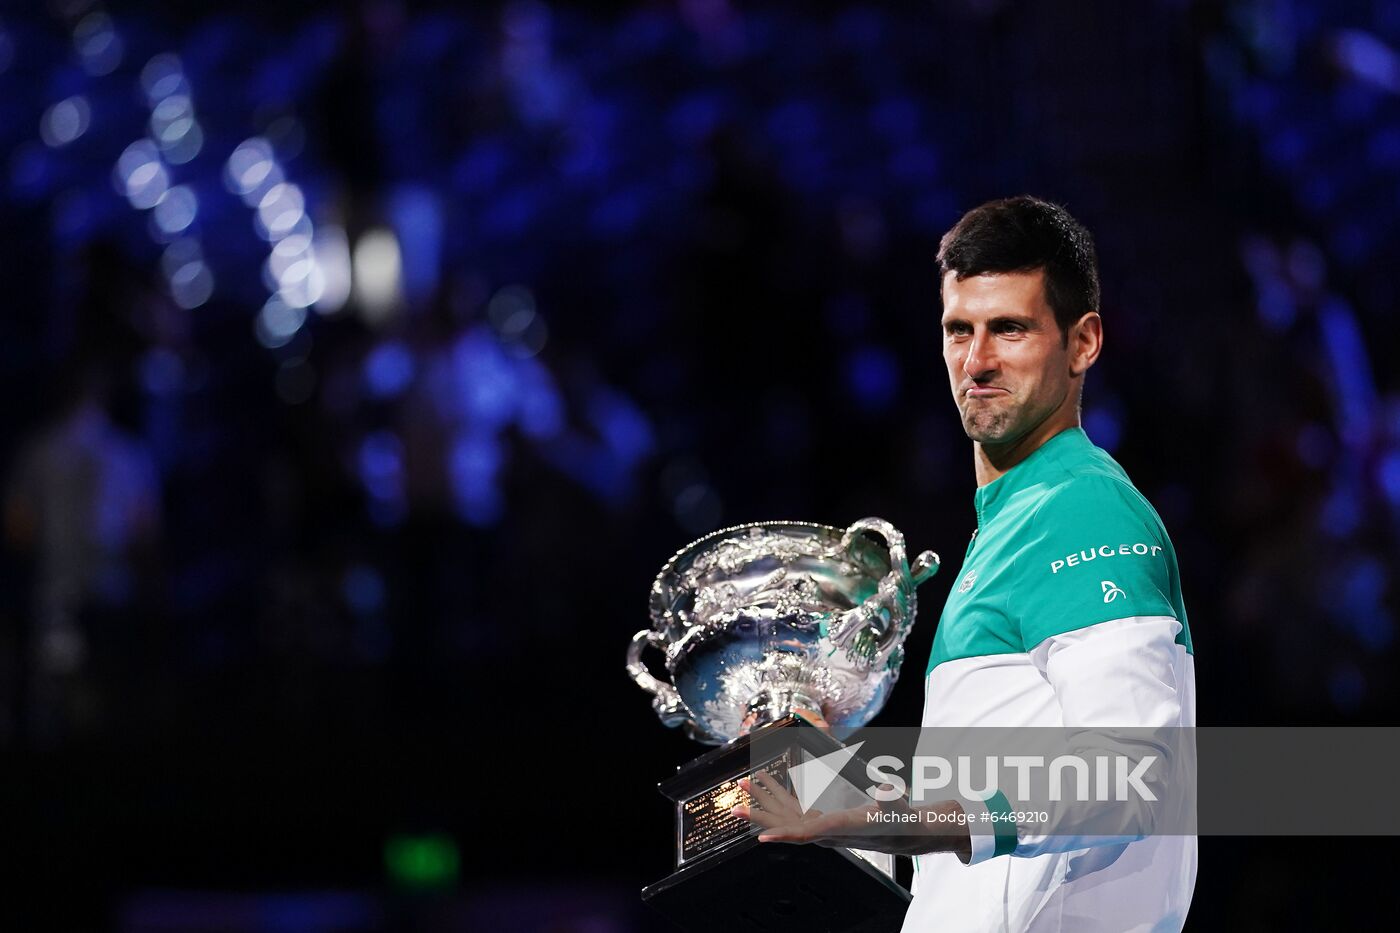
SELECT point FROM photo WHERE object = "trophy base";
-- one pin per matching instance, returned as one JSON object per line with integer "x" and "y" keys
{"x": 727, "y": 880}
{"x": 777, "y": 888}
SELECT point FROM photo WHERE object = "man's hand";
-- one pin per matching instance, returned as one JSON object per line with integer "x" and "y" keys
{"x": 910, "y": 832}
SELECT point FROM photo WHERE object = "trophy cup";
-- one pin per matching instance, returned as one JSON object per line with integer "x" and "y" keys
{"x": 758, "y": 624}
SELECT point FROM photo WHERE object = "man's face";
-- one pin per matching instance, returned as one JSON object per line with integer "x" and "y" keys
{"x": 1007, "y": 361}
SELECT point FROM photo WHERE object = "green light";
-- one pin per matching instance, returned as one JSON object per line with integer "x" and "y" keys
{"x": 422, "y": 862}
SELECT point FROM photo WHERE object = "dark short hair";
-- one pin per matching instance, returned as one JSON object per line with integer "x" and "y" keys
{"x": 1023, "y": 234}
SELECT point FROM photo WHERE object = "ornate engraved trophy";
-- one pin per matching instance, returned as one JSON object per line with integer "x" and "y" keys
{"x": 760, "y": 623}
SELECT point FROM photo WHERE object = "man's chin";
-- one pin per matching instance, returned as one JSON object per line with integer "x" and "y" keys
{"x": 985, "y": 431}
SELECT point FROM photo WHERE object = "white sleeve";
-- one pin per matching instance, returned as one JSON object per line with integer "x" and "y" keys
{"x": 1120, "y": 674}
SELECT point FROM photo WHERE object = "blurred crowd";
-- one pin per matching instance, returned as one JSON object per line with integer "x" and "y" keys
{"x": 643, "y": 251}
{"x": 362, "y": 364}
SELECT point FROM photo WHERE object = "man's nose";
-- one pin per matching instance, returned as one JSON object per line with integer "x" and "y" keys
{"x": 981, "y": 357}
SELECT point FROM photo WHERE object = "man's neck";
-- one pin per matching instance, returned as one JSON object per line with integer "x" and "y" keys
{"x": 992, "y": 461}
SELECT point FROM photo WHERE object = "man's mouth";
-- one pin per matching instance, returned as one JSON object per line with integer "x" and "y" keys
{"x": 985, "y": 392}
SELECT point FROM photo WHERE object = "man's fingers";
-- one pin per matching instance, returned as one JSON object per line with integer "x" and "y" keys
{"x": 757, "y": 813}
{"x": 767, "y": 782}
{"x": 775, "y": 797}
{"x": 777, "y": 793}
{"x": 746, "y": 786}
{"x": 757, "y": 816}
{"x": 839, "y": 828}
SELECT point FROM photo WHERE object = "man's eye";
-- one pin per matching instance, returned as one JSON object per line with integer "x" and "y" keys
{"x": 957, "y": 330}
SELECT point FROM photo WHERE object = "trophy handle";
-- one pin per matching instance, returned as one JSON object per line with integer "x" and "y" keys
{"x": 669, "y": 706}
{"x": 892, "y": 602}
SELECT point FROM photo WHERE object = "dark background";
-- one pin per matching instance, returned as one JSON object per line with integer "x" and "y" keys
{"x": 286, "y": 589}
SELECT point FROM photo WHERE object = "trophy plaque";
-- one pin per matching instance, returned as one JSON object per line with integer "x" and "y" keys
{"x": 761, "y": 625}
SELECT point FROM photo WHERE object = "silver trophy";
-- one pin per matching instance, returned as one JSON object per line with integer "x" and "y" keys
{"x": 762, "y": 620}
{"x": 759, "y": 624}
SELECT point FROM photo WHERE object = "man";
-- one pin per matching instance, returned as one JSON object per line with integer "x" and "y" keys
{"x": 1068, "y": 612}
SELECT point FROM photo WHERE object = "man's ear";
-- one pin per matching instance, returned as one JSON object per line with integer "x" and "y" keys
{"x": 1085, "y": 342}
